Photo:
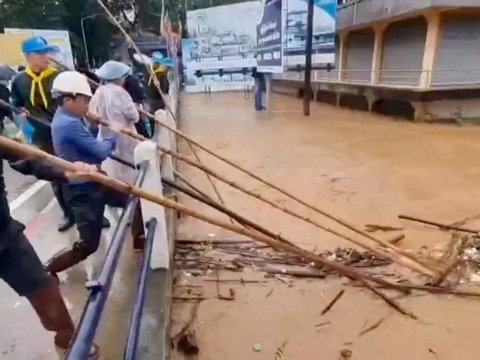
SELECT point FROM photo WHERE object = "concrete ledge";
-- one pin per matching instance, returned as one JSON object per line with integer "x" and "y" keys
{"x": 33, "y": 200}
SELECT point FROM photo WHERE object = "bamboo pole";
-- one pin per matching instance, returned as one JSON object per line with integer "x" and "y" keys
{"x": 391, "y": 253}
{"x": 189, "y": 184}
{"x": 413, "y": 263}
{"x": 165, "y": 101}
{"x": 426, "y": 270}
{"x": 30, "y": 152}
{"x": 191, "y": 142}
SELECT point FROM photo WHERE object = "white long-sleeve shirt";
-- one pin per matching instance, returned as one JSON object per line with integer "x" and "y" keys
{"x": 113, "y": 103}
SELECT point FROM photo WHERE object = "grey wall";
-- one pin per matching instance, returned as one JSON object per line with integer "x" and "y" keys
{"x": 403, "y": 48}
{"x": 359, "y": 55}
{"x": 458, "y": 35}
{"x": 362, "y": 12}
{"x": 333, "y": 74}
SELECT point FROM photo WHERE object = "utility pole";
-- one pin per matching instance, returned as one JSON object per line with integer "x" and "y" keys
{"x": 85, "y": 45}
{"x": 308, "y": 61}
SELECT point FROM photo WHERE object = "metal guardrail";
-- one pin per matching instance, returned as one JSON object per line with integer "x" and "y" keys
{"x": 100, "y": 288}
{"x": 137, "y": 312}
{"x": 401, "y": 78}
{"x": 148, "y": 177}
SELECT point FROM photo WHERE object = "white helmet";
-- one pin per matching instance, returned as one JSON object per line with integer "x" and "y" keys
{"x": 71, "y": 82}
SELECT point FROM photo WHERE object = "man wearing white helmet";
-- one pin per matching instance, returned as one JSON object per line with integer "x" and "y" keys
{"x": 72, "y": 141}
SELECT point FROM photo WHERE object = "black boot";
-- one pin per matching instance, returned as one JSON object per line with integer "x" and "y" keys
{"x": 66, "y": 224}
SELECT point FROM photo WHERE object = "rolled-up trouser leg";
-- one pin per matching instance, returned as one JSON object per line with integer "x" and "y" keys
{"x": 50, "y": 307}
{"x": 22, "y": 270}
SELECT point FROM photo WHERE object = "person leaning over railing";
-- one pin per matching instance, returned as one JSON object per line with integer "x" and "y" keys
{"x": 73, "y": 141}
{"x": 31, "y": 91}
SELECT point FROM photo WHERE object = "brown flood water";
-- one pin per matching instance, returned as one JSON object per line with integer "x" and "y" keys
{"x": 360, "y": 167}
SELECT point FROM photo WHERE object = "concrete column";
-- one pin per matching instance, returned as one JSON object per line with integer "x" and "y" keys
{"x": 342, "y": 54}
{"x": 431, "y": 42}
{"x": 379, "y": 30}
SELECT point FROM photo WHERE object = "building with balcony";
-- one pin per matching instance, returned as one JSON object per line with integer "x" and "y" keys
{"x": 418, "y": 59}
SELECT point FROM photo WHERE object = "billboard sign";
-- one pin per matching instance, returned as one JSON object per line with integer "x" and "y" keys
{"x": 270, "y": 37}
{"x": 221, "y": 37}
{"x": 57, "y": 38}
{"x": 324, "y": 22}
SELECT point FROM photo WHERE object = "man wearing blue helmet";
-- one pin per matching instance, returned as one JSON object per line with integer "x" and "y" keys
{"x": 158, "y": 70}
{"x": 31, "y": 91}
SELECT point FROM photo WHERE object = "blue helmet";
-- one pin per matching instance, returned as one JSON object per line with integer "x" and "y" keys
{"x": 168, "y": 62}
{"x": 37, "y": 45}
{"x": 113, "y": 70}
{"x": 157, "y": 57}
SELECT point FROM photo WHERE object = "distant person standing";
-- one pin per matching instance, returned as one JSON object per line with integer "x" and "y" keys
{"x": 260, "y": 88}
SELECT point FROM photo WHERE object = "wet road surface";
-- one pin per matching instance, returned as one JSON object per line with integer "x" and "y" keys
{"x": 360, "y": 167}
{"x": 23, "y": 337}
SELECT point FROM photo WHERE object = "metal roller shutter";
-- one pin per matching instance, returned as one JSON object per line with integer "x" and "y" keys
{"x": 359, "y": 55}
{"x": 403, "y": 48}
{"x": 458, "y": 35}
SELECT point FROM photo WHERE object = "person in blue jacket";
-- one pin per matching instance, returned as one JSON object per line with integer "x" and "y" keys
{"x": 74, "y": 141}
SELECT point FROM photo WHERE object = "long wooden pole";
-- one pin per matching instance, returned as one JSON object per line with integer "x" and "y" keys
{"x": 440, "y": 225}
{"x": 416, "y": 266}
{"x": 336, "y": 219}
{"x": 275, "y": 187}
{"x": 391, "y": 253}
{"x": 30, "y": 152}
{"x": 238, "y": 167}
{"x": 159, "y": 89}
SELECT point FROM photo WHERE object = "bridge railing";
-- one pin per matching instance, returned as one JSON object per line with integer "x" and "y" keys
{"x": 158, "y": 245}
{"x": 100, "y": 287}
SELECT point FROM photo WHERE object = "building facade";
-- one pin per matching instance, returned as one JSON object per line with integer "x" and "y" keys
{"x": 415, "y": 58}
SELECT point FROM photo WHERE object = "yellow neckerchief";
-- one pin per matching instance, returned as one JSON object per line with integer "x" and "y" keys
{"x": 37, "y": 80}
{"x": 158, "y": 69}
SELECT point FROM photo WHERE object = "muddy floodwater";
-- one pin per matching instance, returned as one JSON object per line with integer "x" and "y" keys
{"x": 361, "y": 167}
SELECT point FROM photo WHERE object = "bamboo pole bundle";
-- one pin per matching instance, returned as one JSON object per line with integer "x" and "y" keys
{"x": 391, "y": 252}
{"x": 30, "y": 152}
{"x": 419, "y": 266}
{"x": 394, "y": 256}
{"x": 403, "y": 255}
{"x": 192, "y": 149}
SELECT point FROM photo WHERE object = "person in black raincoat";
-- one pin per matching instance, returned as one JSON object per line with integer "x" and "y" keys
{"x": 20, "y": 266}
